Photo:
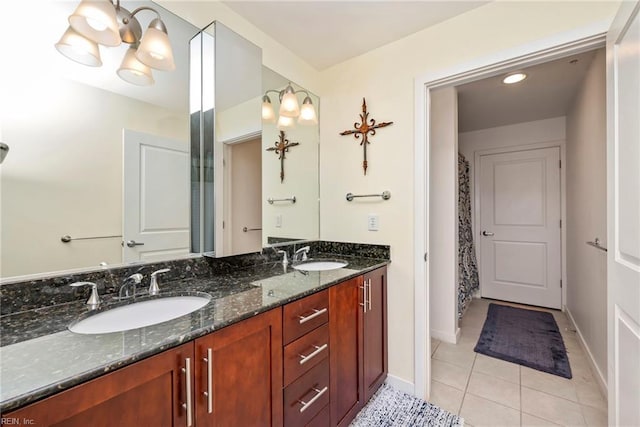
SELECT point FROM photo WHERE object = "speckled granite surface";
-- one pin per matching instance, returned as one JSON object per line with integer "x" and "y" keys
{"x": 40, "y": 356}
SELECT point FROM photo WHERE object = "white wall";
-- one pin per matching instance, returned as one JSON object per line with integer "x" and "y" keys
{"x": 64, "y": 172}
{"x": 587, "y": 213}
{"x": 385, "y": 76}
{"x": 443, "y": 226}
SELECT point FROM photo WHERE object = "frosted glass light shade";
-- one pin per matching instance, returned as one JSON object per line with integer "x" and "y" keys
{"x": 308, "y": 114}
{"x": 79, "y": 49}
{"x": 268, "y": 115}
{"x": 285, "y": 122}
{"x": 289, "y": 104}
{"x": 155, "y": 49}
{"x": 96, "y": 20}
{"x": 133, "y": 71}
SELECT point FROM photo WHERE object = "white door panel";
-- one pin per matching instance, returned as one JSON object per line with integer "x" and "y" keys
{"x": 520, "y": 213}
{"x": 156, "y": 197}
{"x": 623, "y": 212}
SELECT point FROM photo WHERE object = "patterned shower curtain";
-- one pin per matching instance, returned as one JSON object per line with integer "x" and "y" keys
{"x": 468, "y": 281}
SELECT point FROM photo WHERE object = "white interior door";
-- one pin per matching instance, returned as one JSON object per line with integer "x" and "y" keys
{"x": 623, "y": 214}
{"x": 243, "y": 216}
{"x": 520, "y": 258}
{"x": 155, "y": 197}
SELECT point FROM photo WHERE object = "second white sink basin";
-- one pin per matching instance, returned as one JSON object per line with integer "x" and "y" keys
{"x": 139, "y": 314}
{"x": 320, "y": 265}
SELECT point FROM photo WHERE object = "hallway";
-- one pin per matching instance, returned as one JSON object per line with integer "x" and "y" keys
{"x": 492, "y": 392}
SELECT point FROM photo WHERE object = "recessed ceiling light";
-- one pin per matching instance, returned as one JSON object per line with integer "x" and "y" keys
{"x": 514, "y": 78}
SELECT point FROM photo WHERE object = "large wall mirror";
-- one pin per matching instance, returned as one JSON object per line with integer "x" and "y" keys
{"x": 247, "y": 193}
{"x": 85, "y": 147}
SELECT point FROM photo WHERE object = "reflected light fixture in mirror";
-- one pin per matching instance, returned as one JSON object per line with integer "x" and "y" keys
{"x": 102, "y": 22}
{"x": 289, "y": 108}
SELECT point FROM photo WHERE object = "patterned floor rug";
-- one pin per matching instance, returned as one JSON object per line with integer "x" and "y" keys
{"x": 389, "y": 407}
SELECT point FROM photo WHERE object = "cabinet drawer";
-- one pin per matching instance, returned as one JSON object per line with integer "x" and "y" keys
{"x": 305, "y": 353}
{"x": 307, "y": 396}
{"x": 305, "y": 315}
{"x": 323, "y": 419}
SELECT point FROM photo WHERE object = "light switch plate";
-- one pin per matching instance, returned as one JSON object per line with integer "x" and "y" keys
{"x": 373, "y": 222}
{"x": 278, "y": 221}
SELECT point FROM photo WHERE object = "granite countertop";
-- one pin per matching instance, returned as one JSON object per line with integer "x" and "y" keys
{"x": 40, "y": 356}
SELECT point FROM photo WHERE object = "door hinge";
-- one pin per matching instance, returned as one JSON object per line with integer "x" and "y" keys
{"x": 560, "y": 223}
{"x": 560, "y": 283}
{"x": 223, "y": 224}
{"x": 560, "y": 164}
{"x": 426, "y": 256}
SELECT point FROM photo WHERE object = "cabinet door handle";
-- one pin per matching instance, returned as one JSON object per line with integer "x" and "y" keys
{"x": 364, "y": 296}
{"x": 316, "y": 313}
{"x": 305, "y": 358}
{"x": 306, "y": 405}
{"x": 209, "y": 392}
{"x": 189, "y": 404}
{"x": 369, "y": 294}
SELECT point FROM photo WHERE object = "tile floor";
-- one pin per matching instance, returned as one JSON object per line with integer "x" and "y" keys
{"x": 491, "y": 392}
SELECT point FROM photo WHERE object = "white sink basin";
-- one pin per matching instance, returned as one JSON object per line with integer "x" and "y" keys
{"x": 320, "y": 265}
{"x": 139, "y": 314}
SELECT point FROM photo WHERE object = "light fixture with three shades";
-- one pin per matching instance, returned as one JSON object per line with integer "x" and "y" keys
{"x": 101, "y": 22}
{"x": 289, "y": 108}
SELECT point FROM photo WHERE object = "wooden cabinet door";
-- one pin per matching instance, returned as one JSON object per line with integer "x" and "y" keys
{"x": 345, "y": 323}
{"x": 147, "y": 393}
{"x": 238, "y": 374}
{"x": 375, "y": 332}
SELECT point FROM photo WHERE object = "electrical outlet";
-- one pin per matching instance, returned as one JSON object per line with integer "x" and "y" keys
{"x": 373, "y": 222}
{"x": 278, "y": 221}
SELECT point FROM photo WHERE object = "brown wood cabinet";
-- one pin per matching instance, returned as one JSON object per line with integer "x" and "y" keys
{"x": 313, "y": 362}
{"x": 358, "y": 337}
{"x": 147, "y": 393}
{"x": 238, "y": 373}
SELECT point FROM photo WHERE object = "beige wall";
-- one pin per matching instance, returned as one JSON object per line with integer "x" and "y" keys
{"x": 386, "y": 77}
{"x": 64, "y": 172}
{"x": 587, "y": 214}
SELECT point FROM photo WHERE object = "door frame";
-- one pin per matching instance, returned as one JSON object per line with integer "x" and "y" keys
{"x": 563, "y": 207}
{"x": 579, "y": 40}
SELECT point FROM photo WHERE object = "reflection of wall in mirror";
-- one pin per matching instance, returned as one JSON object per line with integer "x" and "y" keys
{"x": 65, "y": 172}
{"x": 296, "y": 220}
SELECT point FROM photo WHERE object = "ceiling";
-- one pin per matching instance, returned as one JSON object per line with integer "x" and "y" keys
{"x": 547, "y": 92}
{"x": 325, "y": 33}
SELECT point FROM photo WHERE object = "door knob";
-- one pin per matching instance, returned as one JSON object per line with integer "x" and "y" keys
{"x": 486, "y": 233}
{"x": 132, "y": 243}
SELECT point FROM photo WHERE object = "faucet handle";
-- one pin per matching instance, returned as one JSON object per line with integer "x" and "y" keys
{"x": 305, "y": 250}
{"x": 154, "y": 289}
{"x": 284, "y": 257}
{"x": 94, "y": 298}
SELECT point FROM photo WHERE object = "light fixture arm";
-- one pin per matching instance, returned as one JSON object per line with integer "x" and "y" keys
{"x": 156, "y": 23}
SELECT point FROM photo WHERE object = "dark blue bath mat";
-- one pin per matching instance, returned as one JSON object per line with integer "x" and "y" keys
{"x": 526, "y": 337}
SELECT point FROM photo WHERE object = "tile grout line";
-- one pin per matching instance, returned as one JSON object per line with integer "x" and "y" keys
{"x": 466, "y": 387}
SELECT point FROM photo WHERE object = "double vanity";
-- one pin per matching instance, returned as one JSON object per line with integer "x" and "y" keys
{"x": 270, "y": 345}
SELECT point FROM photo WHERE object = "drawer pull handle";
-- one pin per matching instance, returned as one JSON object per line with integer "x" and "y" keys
{"x": 209, "y": 392}
{"x": 306, "y": 405}
{"x": 305, "y": 358}
{"x": 189, "y": 404}
{"x": 316, "y": 313}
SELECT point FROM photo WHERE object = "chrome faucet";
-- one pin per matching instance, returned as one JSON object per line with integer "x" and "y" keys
{"x": 301, "y": 254}
{"x": 154, "y": 289}
{"x": 130, "y": 282}
{"x": 94, "y": 298}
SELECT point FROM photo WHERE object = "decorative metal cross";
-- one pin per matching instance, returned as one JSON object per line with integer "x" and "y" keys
{"x": 280, "y": 148}
{"x": 365, "y": 129}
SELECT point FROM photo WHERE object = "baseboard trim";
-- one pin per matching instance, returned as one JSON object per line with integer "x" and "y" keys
{"x": 602, "y": 383}
{"x": 400, "y": 384}
{"x": 445, "y": 336}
